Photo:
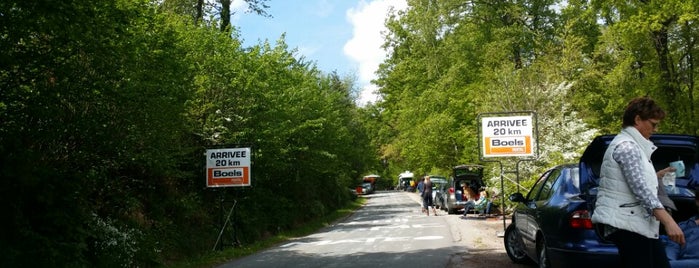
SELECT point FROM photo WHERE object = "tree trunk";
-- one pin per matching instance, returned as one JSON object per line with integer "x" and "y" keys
{"x": 660, "y": 41}
{"x": 225, "y": 14}
{"x": 199, "y": 15}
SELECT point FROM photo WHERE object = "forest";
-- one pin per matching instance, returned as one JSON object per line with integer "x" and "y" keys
{"x": 107, "y": 109}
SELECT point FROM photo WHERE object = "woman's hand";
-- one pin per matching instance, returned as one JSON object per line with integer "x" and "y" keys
{"x": 662, "y": 172}
{"x": 674, "y": 232}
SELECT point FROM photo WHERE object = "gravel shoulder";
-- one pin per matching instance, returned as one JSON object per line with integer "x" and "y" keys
{"x": 481, "y": 237}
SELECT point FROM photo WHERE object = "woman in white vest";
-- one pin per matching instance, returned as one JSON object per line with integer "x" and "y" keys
{"x": 627, "y": 203}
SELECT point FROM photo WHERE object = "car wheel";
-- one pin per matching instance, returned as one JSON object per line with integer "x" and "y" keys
{"x": 514, "y": 246}
{"x": 543, "y": 255}
{"x": 450, "y": 210}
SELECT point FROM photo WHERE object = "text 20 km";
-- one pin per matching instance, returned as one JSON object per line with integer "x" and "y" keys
{"x": 227, "y": 163}
{"x": 506, "y": 131}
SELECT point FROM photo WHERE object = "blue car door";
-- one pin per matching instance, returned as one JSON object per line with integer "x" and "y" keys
{"x": 528, "y": 212}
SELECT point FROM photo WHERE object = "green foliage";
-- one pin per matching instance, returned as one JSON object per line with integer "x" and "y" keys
{"x": 576, "y": 67}
{"x": 107, "y": 108}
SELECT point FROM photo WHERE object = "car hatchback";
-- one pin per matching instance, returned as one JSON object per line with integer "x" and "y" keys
{"x": 452, "y": 198}
{"x": 552, "y": 224}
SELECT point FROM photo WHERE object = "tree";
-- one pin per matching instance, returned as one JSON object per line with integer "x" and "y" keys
{"x": 199, "y": 9}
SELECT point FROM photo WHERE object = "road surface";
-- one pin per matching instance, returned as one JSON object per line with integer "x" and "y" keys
{"x": 390, "y": 231}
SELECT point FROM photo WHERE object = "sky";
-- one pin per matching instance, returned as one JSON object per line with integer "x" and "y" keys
{"x": 337, "y": 35}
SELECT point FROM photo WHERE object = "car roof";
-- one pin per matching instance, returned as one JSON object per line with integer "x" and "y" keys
{"x": 438, "y": 178}
{"x": 406, "y": 174}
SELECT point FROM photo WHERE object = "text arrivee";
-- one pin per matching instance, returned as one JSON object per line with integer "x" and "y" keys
{"x": 508, "y": 123}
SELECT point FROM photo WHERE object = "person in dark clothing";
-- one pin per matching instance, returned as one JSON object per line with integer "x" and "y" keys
{"x": 420, "y": 188}
{"x": 427, "y": 201}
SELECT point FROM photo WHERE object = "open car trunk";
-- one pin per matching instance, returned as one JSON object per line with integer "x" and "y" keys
{"x": 671, "y": 147}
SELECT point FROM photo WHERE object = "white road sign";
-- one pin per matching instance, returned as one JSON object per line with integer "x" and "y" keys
{"x": 228, "y": 167}
{"x": 507, "y": 136}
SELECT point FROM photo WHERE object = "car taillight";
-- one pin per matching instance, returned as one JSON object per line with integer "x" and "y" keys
{"x": 581, "y": 220}
{"x": 451, "y": 190}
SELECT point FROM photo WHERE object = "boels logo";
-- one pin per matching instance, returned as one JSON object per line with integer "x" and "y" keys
{"x": 227, "y": 173}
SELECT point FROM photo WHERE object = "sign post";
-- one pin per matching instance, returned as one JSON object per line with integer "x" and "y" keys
{"x": 228, "y": 167}
{"x": 508, "y": 134}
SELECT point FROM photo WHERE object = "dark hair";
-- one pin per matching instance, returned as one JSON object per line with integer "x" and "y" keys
{"x": 645, "y": 107}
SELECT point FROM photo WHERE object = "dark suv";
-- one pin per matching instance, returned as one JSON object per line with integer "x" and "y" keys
{"x": 452, "y": 198}
{"x": 551, "y": 224}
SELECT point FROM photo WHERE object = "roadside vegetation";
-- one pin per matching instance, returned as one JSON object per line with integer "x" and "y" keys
{"x": 107, "y": 107}
{"x": 214, "y": 258}
{"x": 575, "y": 64}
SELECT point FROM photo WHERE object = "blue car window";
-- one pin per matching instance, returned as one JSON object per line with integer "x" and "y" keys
{"x": 540, "y": 183}
{"x": 547, "y": 186}
{"x": 569, "y": 183}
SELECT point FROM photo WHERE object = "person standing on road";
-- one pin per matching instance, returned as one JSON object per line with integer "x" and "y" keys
{"x": 427, "y": 201}
{"x": 420, "y": 188}
{"x": 627, "y": 203}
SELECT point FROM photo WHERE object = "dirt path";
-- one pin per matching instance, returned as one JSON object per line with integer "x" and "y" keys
{"x": 483, "y": 239}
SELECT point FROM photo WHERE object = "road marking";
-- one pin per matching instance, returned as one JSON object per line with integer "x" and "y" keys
{"x": 433, "y": 237}
{"x": 366, "y": 240}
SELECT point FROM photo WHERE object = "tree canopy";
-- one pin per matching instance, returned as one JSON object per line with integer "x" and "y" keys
{"x": 106, "y": 109}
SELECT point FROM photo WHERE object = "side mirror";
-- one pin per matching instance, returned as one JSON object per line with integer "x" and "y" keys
{"x": 517, "y": 197}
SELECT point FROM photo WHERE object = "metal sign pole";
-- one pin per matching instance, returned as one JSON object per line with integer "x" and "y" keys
{"x": 502, "y": 200}
{"x": 510, "y": 134}
{"x": 229, "y": 166}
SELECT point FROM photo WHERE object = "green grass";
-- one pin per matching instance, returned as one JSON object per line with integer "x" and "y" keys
{"x": 216, "y": 258}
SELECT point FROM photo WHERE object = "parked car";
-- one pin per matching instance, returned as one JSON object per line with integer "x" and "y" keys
{"x": 404, "y": 180}
{"x": 438, "y": 182}
{"x": 452, "y": 198}
{"x": 367, "y": 188}
{"x": 552, "y": 226}
{"x": 369, "y": 183}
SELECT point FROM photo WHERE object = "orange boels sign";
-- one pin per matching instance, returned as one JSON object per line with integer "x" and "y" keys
{"x": 228, "y": 167}
{"x": 497, "y": 147}
{"x": 507, "y": 136}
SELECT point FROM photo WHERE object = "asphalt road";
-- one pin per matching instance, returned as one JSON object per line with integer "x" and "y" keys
{"x": 390, "y": 231}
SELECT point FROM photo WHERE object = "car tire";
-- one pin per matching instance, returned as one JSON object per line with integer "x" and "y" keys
{"x": 450, "y": 210}
{"x": 515, "y": 247}
{"x": 543, "y": 255}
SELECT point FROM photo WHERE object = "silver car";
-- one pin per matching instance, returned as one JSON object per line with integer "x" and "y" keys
{"x": 452, "y": 198}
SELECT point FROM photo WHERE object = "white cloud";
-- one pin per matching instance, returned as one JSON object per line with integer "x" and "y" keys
{"x": 237, "y": 6}
{"x": 367, "y": 20}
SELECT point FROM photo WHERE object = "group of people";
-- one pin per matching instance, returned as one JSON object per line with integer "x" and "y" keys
{"x": 480, "y": 202}
{"x": 631, "y": 203}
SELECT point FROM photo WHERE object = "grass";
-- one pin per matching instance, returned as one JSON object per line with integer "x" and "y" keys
{"x": 216, "y": 258}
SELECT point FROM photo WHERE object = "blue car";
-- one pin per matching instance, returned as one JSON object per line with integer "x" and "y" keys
{"x": 551, "y": 226}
